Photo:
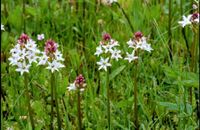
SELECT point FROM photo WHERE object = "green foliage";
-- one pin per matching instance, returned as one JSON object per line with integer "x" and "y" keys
{"x": 163, "y": 85}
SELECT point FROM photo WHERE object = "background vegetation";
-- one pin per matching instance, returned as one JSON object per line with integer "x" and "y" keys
{"x": 164, "y": 79}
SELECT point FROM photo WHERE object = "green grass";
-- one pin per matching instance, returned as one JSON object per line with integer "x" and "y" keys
{"x": 163, "y": 85}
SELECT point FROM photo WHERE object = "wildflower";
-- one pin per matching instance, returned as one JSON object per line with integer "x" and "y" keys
{"x": 108, "y": 48}
{"x": 2, "y": 27}
{"x": 195, "y": 18}
{"x": 54, "y": 66}
{"x": 103, "y": 63}
{"x": 23, "y": 54}
{"x": 190, "y": 19}
{"x": 71, "y": 87}
{"x": 130, "y": 57}
{"x": 40, "y": 37}
{"x": 79, "y": 83}
{"x": 51, "y": 56}
{"x": 116, "y": 54}
{"x": 138, "y": 42}
{"x": 186, "y": 21}
{"x": 98, "y": 50}
{"x": 23, "y": 67}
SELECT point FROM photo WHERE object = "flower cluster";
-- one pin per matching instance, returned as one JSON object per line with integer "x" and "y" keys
{"x": 107, "y": 47}
{"x": 24, "y": 54}
{"x": 138, "y": 42}
{"x": 79, "y": 83}
{"x": 191, "y": 19}
{"x": 51, "y": 56}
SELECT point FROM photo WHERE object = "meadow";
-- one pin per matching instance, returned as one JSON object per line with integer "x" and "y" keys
{"x": 158, "y": 89}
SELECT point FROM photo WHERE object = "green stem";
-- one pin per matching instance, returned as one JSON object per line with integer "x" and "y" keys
{"x": 56, "y": 100}
{"x": 28, "y": 100}
{"x": 183, "y": 30}
{"x": 108, "y": 97}
{"x": 169, "y": 30}
{"x": 79, "y": 110}
{"x": 126, "y": 16}
{"x": 135, "y": 100}
{"x": 23, "y": 8}
{"x": 52, "y": 103}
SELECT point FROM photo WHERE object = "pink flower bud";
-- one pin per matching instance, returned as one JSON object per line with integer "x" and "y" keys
{"x": 138, "y": 35}
{"x": 23, "y": 39}
{"x": 80, "y": 81}
{"x": 195, "y": 16}
{"x": 106, "y": 37}
{"x": 50, "y": 46}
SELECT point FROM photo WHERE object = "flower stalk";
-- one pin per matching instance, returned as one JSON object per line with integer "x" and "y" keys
{"x": 79, "y": 110}
{"x": 108, "y": 97}
{"x": 28, "y": 101}
{"x": 126, "y": 16}
{"x": 52, "y": 101}
{"x": 136, "y": 98}
{"x": 54, "y": 93}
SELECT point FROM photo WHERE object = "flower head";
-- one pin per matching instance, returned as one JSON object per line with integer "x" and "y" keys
{"x": 138, "y": 35}
{"x": 195, "y": 18}
{"x": 51, "y": 56}
{"x": 24, "y": 54}
{"x": 23, "y": 39}
{"x": 106, "y": 37}
{"x": 79, "y": 83}
{"x": 138, "y": 42}
{"x": 50, "y": 46}
{"x": 107, "y": 48}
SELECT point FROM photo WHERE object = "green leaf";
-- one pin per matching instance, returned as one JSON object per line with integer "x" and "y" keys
{"x": 169, "y": 105}
{"x": 116, "y": 72}
{"x": 16, "y": 15}
{"x": 31, "y": 11}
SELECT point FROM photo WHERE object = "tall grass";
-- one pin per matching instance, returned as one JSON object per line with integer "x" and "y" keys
{"x": 160, "y": 85}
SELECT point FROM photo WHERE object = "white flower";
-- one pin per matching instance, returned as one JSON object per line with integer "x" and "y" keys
{"x": 54, "y": 66}
{"x": 22, "y": 67}
{"x": 107, "y": 48}
{"x": 32, "y": 57}
{"x": 116, "y": 54}
{"x": 142, "y": 44}
{"x": 186, "y": 21}
{"x": 13, "y": 60}
{"x": 99, "y": 50}
{"x": 113, "y": 43}
{"x": 131, "y": 43}
{"x": 2, "y": 27}
{"x": 40, "y": 37}
{"x": 103, "y": 63}
{"x": 130, "y": 57}
{"x": 58, "y": 56}
{"x": 22, "y": 54}
{"x": 43, "y": 59}
{"x": 30, "y": 45}
{"x": 72, "y": 87}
